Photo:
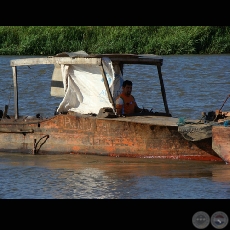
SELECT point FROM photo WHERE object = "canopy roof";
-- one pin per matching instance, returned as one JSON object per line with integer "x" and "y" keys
{"x": 87, "y": 82}
{"x": 75, "y": 58}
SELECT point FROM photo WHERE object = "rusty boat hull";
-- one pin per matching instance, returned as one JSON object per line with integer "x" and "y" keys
{"x": 221, "y": 142}
{"x": 136, "y": 136}
{"x": 86, "y": 120}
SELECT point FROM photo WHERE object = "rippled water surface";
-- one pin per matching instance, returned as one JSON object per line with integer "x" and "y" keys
{"x": 193, "y": 84}
{"x": 100, "y": 177}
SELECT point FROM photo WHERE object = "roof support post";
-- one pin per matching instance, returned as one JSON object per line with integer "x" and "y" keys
{"x": 14, "y": 68}
{"x": 163, "y": 89}
{"x": 107, "y": 88}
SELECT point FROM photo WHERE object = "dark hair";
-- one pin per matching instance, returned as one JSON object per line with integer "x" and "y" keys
{"x": 127, "y": 82}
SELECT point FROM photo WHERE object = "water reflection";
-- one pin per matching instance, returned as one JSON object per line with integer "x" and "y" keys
{"x": 100, "y": 177}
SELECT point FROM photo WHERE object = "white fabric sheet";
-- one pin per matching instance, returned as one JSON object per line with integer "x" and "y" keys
{"x": 84, "y": 87}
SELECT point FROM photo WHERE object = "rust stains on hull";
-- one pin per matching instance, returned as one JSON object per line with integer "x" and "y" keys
{"x": 221, "y": 142}
{"x": 125, "y": 137}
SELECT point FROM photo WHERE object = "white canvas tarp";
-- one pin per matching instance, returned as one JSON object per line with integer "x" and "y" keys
{"x": 84, "y": 87}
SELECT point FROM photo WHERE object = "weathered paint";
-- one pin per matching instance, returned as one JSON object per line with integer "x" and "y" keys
{"x": 221, "y": 141}
{"x": 142, "y": 137}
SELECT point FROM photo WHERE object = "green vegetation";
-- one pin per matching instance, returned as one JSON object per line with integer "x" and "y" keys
{"x": 161, "y": 40}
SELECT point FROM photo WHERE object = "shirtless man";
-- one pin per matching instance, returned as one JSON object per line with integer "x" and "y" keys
{"x": 125, "y": 102}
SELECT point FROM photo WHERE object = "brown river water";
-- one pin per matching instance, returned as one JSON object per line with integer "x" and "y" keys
{"x": 193, "y": 84}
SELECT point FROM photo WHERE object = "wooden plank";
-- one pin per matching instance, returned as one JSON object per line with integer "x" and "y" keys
{"x": 133, "y": 58}
{"x": 144, "y": 61}
{"x": 86, "y": 61}
{"x": 55, "y": 60}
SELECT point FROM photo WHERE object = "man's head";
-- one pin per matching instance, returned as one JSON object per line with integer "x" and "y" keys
{"x": 127, "y": 87}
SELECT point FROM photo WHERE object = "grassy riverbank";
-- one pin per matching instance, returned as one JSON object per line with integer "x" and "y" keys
{"x": 162, "y": 40}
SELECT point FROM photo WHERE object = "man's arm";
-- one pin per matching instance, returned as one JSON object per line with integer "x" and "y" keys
{"x": 139, "y": 110}
{"x": 119, "y": 106}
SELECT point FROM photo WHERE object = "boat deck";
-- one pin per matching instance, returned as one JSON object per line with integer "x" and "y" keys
{"x": 144, "y": 119}
{"x": 155, "y": 120}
